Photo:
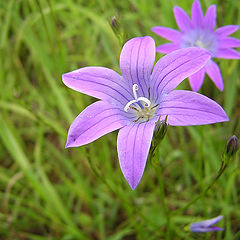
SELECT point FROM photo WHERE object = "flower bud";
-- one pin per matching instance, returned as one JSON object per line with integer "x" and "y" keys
{"x": 232, "y": 145}
{"x": 115, "y": 24}
{"x": 161, "y": 129}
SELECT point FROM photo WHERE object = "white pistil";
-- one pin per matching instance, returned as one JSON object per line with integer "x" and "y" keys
{"x": 137, "y": 99}
{"x": 143, "y": 99}
{"x": 127, "y": 106}
{"x": 134, "y": 89}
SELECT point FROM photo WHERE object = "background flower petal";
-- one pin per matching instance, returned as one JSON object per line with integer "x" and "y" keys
{"x": 203, "y": 230}
{"x": 228, "y": 53}
{"x": 190, "y": 108}
{"x": 226, "y": 30}
{"x": 197, "y": 15}
{"x": 229, "y": 42}
{"x": 173, "y": 68}
{"x": 210, "y": 18}
{"x": 182, "y": 19}
{"x": 210, "y": 222}
{"x": 167, "y": 47}
{"x": 168, "y": 33}
{"x": 213, "y": 71}
{"x": 196, "y": 79}
{"x": 99, "y": 82}
{"x": 93, "y": 122}
{"x": 133, "y": 145}
{"x": 206, "y": 225}
{"x": 136, "y": 62}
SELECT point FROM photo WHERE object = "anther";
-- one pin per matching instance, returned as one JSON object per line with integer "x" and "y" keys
{"x": 149, "y": 96}
{"x": 138, "y": 119}
{"x": 133, "y": 108}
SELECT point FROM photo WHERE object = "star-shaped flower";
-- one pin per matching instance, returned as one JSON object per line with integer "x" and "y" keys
{"x": 199, "y": 32}
{"x": 206, "y": 226}
{"x": 134, "y": 101}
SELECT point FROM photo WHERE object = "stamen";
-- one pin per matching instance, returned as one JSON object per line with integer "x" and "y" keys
{"x": 138, "y": 100}
{"x": 149, "y": 96}
{"x": 133, "y": 108}
{"x": 154, "y": 106}
{"x": 138, "y": 119}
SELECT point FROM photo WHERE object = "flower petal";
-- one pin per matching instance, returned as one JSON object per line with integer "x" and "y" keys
{"x": 133, "y": 145}
{"x": 197, "y": 15}
{"x": 210, "y": 222}
{"x": 136, "y": 62}
{"x": 185, "y": 108}
{"x": 99, "y": 82}
{"x": 168, "y": 33}
{"x": 196, "y": 79}
{"x": 182, "y": 19}
{"x": 203, "y": 230}
{"x": 229, "y": 42}
{"x": 214, "y": 73}
{"x": 227, "y": 53}
{"x": 206, "y": 226}
{"x": 167, "y": 47}
{"x": 173, "y": 68}
{"x": 210, "y": 18}
{"x": 95, "y": 121}
{"x": 226, "y": 30}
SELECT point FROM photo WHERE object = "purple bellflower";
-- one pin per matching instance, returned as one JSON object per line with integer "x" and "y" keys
{"x": 206, "y": 226}
{"x": 134, "y": 101}
{"x": 199, "y": 32}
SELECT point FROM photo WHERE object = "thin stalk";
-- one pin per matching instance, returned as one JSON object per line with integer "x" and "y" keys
{"x": 220, "y": 172}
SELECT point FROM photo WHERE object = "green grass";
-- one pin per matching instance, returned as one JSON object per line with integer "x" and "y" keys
{"x": 48, "y": 192}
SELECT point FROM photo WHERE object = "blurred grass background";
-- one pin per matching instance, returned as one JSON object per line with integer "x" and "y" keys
{"x": 48, "y": 192}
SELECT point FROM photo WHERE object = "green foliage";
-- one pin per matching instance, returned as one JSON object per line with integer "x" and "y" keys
{"x": 48, "y": 192}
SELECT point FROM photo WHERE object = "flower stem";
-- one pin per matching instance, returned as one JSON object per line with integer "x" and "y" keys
{"x": 220, "y": 172}
{"x": 163, "y": 201}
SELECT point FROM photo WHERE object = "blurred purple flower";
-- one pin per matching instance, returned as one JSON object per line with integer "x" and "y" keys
{"x": 134, "y": 101}
{"x": 206, "y": 226}
{"x": 199, "y": 32}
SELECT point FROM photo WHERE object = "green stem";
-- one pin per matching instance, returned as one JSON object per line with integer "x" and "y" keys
{"x": 163, "y": 201}
{"x": 101, "y": 177}
{"x": 220, "y": 172}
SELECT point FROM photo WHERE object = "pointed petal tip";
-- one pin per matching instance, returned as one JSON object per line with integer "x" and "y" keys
{"x": 225, "y": 118}
{"x": 197, "y": 14}
{"x": 69, "y": 144}
{"x": 220, "y": 217}
{"x": 221, "y": 88}
{"x": 177, "y": 8}
{"x": 65, "y": 78}
{"x": 133, "y": 187}
{"x": 197, "y": 2}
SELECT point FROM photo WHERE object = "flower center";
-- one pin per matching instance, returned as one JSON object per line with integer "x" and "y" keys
{"x": 200, "y": 38}
{"x": 141, "y": 106}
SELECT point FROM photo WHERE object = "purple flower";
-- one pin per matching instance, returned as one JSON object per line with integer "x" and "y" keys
{"x": 206, "y": 226}
{"x": 134, "y": 101}
{"x": 199, "y": 32}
